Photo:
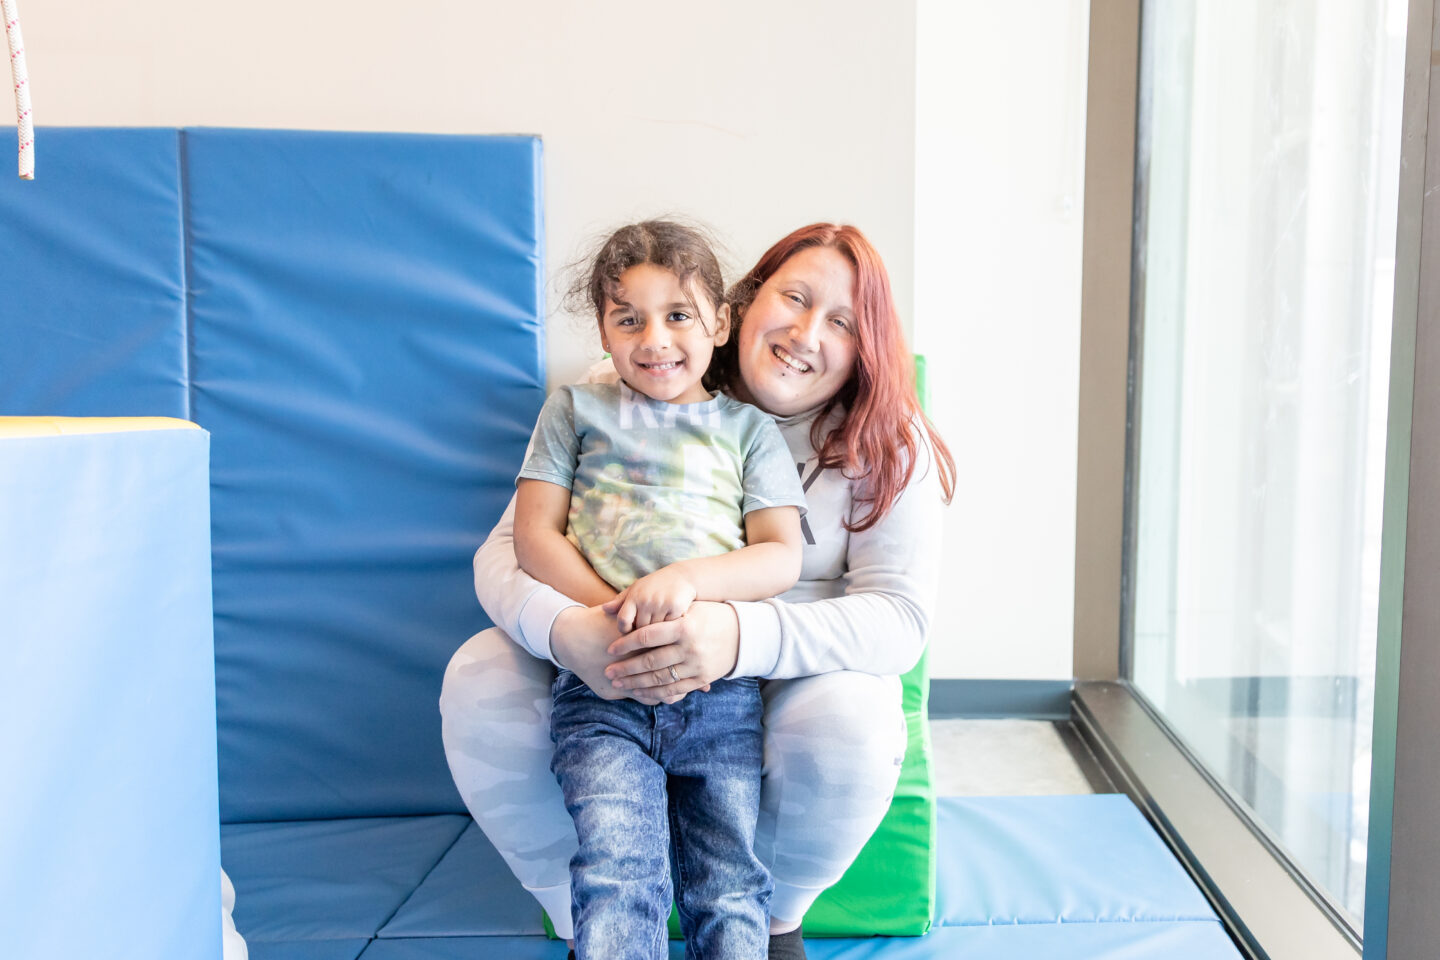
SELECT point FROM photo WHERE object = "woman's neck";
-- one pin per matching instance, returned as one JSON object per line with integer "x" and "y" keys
{"x": 738, "y": 391}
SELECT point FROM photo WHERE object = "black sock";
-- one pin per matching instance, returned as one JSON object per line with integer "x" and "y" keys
{"x": 787, "y": 946}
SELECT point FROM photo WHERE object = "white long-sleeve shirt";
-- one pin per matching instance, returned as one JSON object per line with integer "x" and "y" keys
{"x": 863, "y": 601}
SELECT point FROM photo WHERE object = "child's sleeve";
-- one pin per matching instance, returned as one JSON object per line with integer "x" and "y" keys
{"x": 771, "y": 478}
{"x": 555, "y": 444}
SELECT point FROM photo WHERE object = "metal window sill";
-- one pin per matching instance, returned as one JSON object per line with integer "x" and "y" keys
{"x": 1270, "y": 910}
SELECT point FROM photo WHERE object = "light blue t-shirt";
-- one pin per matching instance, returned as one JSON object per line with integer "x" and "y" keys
{"x": 653, "y": 483}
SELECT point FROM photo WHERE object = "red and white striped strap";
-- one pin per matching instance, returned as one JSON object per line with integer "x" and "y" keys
{"x": 22, "y": 89}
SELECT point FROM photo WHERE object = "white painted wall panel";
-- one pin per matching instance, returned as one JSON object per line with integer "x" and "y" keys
{"x": 1000, "y": 126}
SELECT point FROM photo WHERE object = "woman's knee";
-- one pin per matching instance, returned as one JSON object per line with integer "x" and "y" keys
{"x": 839, "y": 726}
{"x": 491, "y": 680}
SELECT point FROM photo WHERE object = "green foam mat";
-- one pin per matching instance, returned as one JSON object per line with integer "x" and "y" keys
{"x": 890, "y": 888}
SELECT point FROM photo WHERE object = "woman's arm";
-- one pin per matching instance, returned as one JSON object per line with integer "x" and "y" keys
{"x": 878, "y": 626}
{"x": 514, "y": 601}
{"x": 767, "y": 566}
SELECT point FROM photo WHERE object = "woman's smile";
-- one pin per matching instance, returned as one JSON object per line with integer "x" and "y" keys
{"x": 798, "y": 336}
{"x": 789, "y": 360}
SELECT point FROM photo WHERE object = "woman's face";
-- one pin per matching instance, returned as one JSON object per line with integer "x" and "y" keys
{"x": 797, "y": 338}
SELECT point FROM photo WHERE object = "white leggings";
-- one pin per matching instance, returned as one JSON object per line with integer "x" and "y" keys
{"x": 833, "y": 748}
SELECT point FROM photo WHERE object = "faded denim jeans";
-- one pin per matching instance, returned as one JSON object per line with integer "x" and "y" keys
{"x": 674, "y": 787}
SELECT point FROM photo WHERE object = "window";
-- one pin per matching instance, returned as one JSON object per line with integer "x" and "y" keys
{"x": 1267, "y": 177}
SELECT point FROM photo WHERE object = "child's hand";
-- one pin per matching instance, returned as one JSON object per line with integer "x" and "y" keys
{"x": 664, "y": 595}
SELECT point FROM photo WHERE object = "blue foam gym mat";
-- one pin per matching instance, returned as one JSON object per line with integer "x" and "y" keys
{"x": 329, "y": 879}
{"x": 1002, "y": 860}
{"x": 1057, "y": 858}
{"x": 1182, "y": 940}
{"x": 368, "y": 354}
{"x": 94, "y": 281}
{"x": 471, "y": 892}
{"x": 307, "y": 949}
{"x": 466, "y": 948}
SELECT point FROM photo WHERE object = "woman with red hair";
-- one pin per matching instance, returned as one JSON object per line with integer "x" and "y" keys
{"x": 819, "y": 347}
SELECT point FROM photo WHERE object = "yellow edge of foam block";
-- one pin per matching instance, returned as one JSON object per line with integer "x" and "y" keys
{"x": 50, "y": 426}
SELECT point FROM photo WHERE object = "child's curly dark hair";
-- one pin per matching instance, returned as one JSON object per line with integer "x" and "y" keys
{"x": 682, "y": 248}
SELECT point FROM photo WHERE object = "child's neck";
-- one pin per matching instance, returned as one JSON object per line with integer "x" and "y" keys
{"x": 695, "y": 393}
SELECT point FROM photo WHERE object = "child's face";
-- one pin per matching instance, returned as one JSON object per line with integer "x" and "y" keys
{"x": 660, "y": 342}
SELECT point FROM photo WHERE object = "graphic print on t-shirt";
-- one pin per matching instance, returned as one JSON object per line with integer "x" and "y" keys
{"x": 805, "y": 483}
{"x": 653, "y": 483}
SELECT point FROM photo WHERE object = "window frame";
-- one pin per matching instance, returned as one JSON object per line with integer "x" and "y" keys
{"x": 1270, "y": 908}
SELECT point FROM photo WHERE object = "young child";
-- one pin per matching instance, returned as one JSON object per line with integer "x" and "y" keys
{"x": 654, "y": 487}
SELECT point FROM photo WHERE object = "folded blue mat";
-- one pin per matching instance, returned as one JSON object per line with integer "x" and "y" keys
{"x": 309, "y": 949}
{"x": 470, "y": 891}
{"x": 329, "y": 879}
{"x": 475, "y": 948}
{"x": 1067, "y": 859}
{"x": 1182, "y": 940}
{"x": 94, "y": 279}
{"x": 368, "y": 354}
{"x": 1075, "y": 877}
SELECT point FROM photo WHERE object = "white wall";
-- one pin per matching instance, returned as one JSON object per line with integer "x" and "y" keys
{"x": 756, "y": 117}
{"x": 1000, "y": 127}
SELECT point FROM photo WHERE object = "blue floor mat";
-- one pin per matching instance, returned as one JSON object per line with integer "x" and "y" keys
{"x": 1146, "y": 940}
{"x": 471, "y": 892}
{"x": 1072, "y": 877}
{"x": 1059, "y": 858}
{"x": 467, "y": 948}
{"x": 329, "y": 879}
{"x": 307, "y": 949}
{"x": 1185, "y": 940}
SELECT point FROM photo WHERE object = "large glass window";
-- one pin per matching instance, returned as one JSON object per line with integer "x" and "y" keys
{"x": 1267, "y": 175}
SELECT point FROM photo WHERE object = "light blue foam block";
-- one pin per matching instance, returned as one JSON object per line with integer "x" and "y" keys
{"x": 109, "y": 818}
{"x": 330, "y": 879}
{"x": 1057, "y": 858}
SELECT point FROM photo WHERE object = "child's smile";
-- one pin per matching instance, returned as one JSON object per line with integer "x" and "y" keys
{"x": 660, "y": 336}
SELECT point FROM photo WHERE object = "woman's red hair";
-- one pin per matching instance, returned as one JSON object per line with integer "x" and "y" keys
{"x": 876, "y": 442}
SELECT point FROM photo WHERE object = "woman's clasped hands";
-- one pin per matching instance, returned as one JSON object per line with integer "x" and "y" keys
{"x": 701, "y": 646}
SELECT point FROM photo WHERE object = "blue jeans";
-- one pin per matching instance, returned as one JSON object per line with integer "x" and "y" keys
{"x": 651, "y": 789}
